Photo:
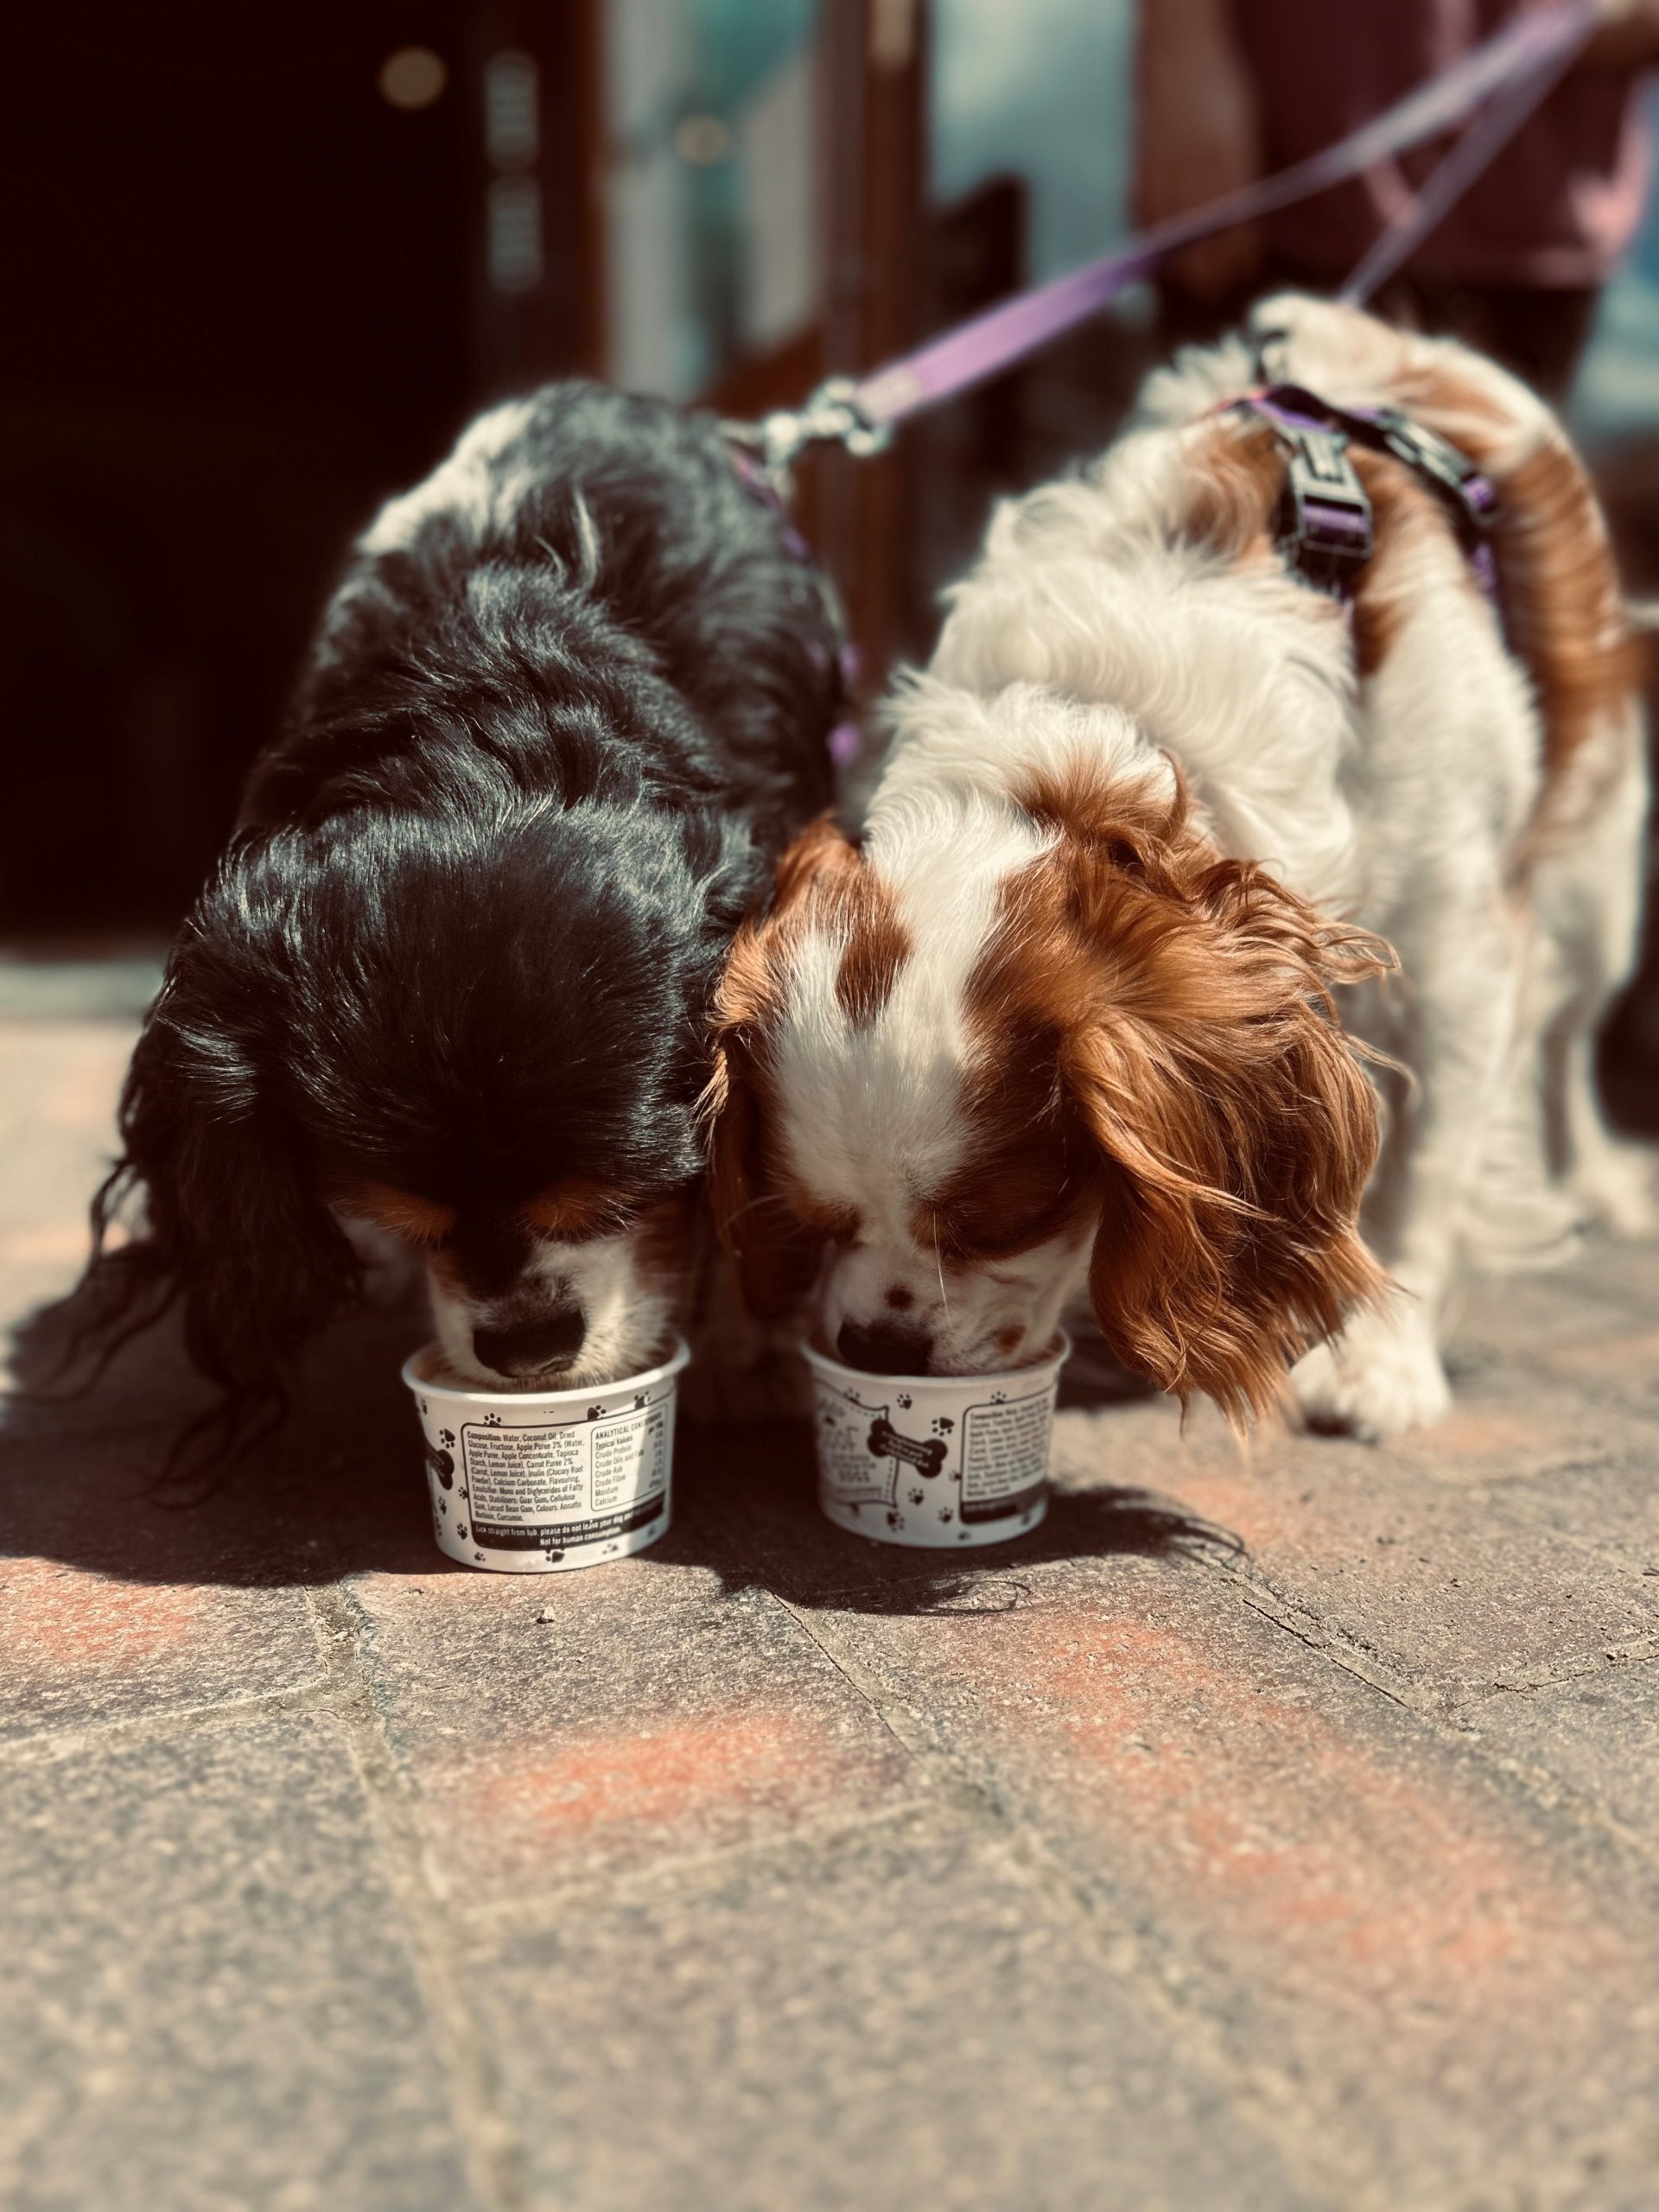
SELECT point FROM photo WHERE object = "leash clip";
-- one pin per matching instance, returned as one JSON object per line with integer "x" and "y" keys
{"x": 831, "y": 415}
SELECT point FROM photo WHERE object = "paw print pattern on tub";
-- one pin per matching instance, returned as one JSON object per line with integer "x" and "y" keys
{"x": 538, "y": 1482}
{"x": 940, "y": 1460}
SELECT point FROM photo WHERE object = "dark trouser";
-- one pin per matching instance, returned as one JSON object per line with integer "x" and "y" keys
{"x": 1538, "y": 332}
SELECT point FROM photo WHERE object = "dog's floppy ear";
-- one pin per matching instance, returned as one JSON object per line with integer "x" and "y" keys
{"x": 776, "y": 1254}
{"x": 1236, "y": 1129}
{"x": 233, "y": 1225}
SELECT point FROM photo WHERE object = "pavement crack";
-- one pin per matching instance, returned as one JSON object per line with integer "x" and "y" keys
{"x": 899, "y": 1719}
{"x": 494, "y": 2158}
{"x": 51, "y": 1746}
{"x": 1309, "y": 1631}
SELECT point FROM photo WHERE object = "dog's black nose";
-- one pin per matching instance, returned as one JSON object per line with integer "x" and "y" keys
{"x": 551, "y": 1339}
{"x": 884, "y": 1347}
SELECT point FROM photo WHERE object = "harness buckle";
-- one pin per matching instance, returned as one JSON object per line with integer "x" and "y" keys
{"x": 1469, "y": 489}
{"x": 1326, "y": 520}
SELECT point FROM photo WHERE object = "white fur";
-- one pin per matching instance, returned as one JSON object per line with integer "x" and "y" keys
{"x": 628, "y": 1308}
{"x": 1091, "y": 627}
{"x": 871, "y": 1113}
{"x": 469, "y": 488}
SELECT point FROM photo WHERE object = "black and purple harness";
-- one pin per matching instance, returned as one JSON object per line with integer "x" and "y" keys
{"x": 1325, "y": 528}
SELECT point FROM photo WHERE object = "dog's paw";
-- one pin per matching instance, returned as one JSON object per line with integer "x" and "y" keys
{"x": 1382, "y": 1376}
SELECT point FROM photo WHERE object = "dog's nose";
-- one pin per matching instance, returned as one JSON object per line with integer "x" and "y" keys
{"x": 551, "y": 1339}
{"x": 884, "y": 1347}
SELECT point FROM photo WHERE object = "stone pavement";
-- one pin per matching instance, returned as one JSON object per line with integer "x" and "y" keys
{"x": 1276, "y": 1833}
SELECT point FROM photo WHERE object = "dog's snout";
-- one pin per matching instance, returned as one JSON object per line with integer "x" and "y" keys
{"x": 551, "y": 1340}
{"x": 884, "y": 1347}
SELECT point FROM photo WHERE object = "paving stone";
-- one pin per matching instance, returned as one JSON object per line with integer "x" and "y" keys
{"x": 1621, "y": 1364}
{"x": 562, "y": 1727}
{"x": 1493, "y": 1435}
{"x": 81, "y": 1649}
{"x": 1409, "y": 1552}
{"x": 1434, "y": 1575}
{"x": 207, "y": 2000}
{"x": 116, "y": 1606}
{"x": 898, "y": 2017}
{"x": 57, "y": 1132}
{"x": 1462, "y": 1992}
{"x": 1615, "y": 1508}
{"x": 735, "y": 1945}
{"x": 345, "y": 1394}
{"x": 339, "y": 1488}
{"x": 1510, "y": 1317}
{"x": 1625, "y": 1272}
{"x": 764, "y": 1486}
{"x": 1515, "y": 1313}
{"x": 1599, "y": 1734}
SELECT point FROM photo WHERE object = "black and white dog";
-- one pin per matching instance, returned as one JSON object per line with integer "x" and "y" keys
{"x": 451, "y": 977}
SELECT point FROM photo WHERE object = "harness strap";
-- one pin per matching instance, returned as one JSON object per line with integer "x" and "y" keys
{"x": 1326, "y": 527}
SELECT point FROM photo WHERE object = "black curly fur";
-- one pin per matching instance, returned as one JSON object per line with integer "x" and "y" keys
{"x": 540, "y": 763}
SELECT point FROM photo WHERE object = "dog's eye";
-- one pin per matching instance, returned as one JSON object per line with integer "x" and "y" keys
{"x": 405, "y": 1213}
{"x": 832, "y": 1225}
{"x": 571, "y": 1211}
{"x": 1023, "y": 1236}
{"x": 970, "y": 1237}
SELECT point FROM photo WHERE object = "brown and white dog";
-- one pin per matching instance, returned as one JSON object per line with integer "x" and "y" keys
{"x": 1067, "y": 1009}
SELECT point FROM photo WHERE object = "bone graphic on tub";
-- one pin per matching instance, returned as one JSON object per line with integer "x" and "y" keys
{"x": 887, "y": 1443}
{"x": 442, "y": 1464}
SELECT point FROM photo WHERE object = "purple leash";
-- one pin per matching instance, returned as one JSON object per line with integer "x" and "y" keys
{"x": 1472, "y": 154}
{"x": 1326, "y": 526}
{"x": 1513, "y": 71}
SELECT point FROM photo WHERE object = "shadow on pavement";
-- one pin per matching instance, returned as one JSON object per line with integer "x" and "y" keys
{"x": 87, "y": 1478}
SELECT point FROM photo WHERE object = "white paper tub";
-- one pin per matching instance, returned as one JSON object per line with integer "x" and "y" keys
{"x": 537, "y": 1482}
{"x": 940, "y": 1460}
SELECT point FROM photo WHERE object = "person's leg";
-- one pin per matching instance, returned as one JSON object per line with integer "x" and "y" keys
{"x": 1538, "y": 332}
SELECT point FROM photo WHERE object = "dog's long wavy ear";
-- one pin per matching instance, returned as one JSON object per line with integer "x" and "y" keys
{"x": 1236, "y": 1129}
{"x": 231, "y": 1224}
{"x": 776, "y": 1254}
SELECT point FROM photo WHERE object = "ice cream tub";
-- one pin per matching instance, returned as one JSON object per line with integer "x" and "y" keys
{"x": 939, "y": 1461}
{"x": 539, "y": 1482}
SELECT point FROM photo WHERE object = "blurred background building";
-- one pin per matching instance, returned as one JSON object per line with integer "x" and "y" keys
{"x": 261, "y": 266}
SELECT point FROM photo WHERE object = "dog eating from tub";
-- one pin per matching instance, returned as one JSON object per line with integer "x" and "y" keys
{"x": 1103, "y": 996}
{"x": 451, "y": 978}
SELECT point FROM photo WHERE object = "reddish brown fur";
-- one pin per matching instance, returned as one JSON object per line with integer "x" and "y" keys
{"x": 417, "y": 1220}
{"x": 665, "y": 1248}
{"x": 1237, "y": 478}
{"x": 1029, "y": 1173}
{"x": 1402, "y": 512}
{"x": 1160, "y": 1058}
{"x": 1563, "y": 609}
{"x": 1233, "y": 500}
{"x": 767, "y": 1221}
{"x": 1187, "y": 1000}
{"x": 575, "y": 1210}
